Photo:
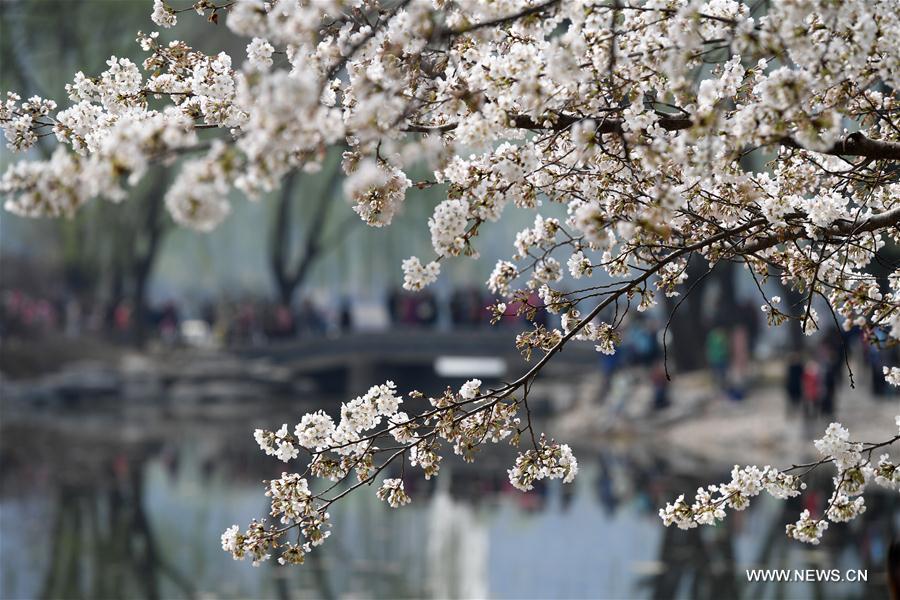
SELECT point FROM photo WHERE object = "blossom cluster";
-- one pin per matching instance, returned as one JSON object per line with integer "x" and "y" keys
{"x": 392, "y": 492}
{"x": 855, "y": 469}
{"x": 634, "y": 133}
{"x": 548, "y": 460}
{"x": 355, "y": 444}
{"x": 710, "y": 502}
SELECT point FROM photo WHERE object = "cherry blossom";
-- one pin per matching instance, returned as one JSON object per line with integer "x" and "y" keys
{"x": 661, "y": 132}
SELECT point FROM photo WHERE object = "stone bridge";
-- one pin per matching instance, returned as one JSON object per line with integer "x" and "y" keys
{"x": 352, "y": 362}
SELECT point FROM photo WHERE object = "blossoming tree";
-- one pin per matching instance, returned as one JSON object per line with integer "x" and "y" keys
{"x": 636, "y": 116}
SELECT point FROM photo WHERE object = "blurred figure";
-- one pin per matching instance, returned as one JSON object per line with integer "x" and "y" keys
{"x": 642, "y": 343}
{"x": 27, "y": 316}
{"x": 739, "y": 362}
{"x": 247, "y": 325}
{"x": 280, "y": 323}
{"x": 464, "y": 309}
{"x": 310, "y": 320}
{"x": 660, "y": 386}
{"x": 812, "y": 387}
{"x": 832, "y": 353}
{"x": 425, "y": 309}
{"x": 717, "y": 356}
{"x": 73, "y": 317}
{"x": 345, "y": 317}
{"x": 121, "y": 319}
{"x": 541, "y": 317}
{"x": 873, "y": 343}
{"x": 395, "y": 305}
{"x": 168, "y": 323}
{"x": 609, "y": 365}
{"x": 208, "y": 313}
{"x": 793, "y": 381}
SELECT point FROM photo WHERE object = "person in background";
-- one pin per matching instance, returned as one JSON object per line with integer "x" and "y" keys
{"x": 394, "y": 305}
{"x": 812, "y": 387}
{"x": 541, "y": 317}
{"x": 874, "y": 342}
{"x": 717, "y": 356}
{"x": 739, "y": 363}
{"x": 122, "y": 319}
{"x": 426, "y": 309}
{"x": 168, "y": 323}
{"x": 208, "y": 313}
{"x": 643, "y": 343}
{"x": 793, "y": 382}
{"x": 284, "y": 324}
{"x": 832, "y": 361}
{"x": 466, "y": 307}
{"x": 345, "y": 319}
{"x": 310, "y": 321}
{"x": 609, "y": 364}
{"x": 73, "y": 317}
{"x": 660, "y": 385}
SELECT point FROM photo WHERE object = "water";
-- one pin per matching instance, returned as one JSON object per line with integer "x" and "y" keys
{"x": 99, "y": 504}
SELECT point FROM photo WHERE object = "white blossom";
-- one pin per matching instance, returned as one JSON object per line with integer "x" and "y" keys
{"x": 314, "y": 430}
{"x": 807, "y": 529}
{"x": 470, "y": 389}
{"x": 259, "y": 54}
{"x": 163, "y": 15}
{"x": 448, "y": 225}
{"x": 377, "y": 192}
{"x": 392, "y": 492}
{"x": 547, "y": 461}
{"x": 500, "y": 279}
{"x": 836, "y": 444}
{"x": 416, "y": 276}
{"x": 579, "y": 266}
{"x": 892, "y": 376}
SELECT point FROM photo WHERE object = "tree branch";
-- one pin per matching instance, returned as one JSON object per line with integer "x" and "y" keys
{"x": 888, "y": 218}
{"x": 855, "y": 144}
{"x": 537, "y": 8}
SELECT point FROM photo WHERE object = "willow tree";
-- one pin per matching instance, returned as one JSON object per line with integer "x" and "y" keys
{"x": 118, "y": 264}
{"x": 636, "y": 117}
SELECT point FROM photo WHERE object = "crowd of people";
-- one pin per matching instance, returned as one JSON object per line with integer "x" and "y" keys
{"x": 813, "y": 375}
{"x": 811, "y": 378}
{"x": 30, "y": 316}
{"x": 243, "y": 321}
{"x": 22, "y": 314}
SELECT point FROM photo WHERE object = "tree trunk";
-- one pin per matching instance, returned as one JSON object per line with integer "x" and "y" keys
{"x": 288, "y": 280}
{"x": 142, "y": 267}
{"x": 280, "y": 243}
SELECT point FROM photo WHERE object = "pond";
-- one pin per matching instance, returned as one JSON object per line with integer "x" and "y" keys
{"x": 130, "y": 503}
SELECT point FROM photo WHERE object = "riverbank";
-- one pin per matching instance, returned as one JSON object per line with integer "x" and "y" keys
{"x": 31, "y": 358}
{"x": 702, "y": 428}
{"x": 761, "y": 429}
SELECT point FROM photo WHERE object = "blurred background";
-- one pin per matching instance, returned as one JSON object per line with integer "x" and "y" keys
{"x": 137, "y": 357}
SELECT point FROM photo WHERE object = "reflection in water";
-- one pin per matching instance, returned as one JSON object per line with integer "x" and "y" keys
{"x": 102, "y": 546}
{"x": 457, "y": 548}
{"x": 114, "y": 514}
